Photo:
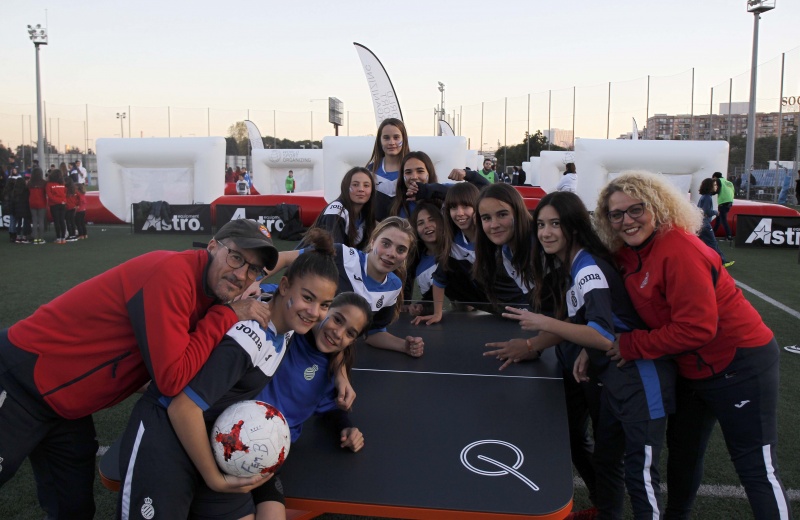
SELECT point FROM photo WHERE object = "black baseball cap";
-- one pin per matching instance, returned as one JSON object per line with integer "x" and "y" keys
{"x": 249, "y": 234}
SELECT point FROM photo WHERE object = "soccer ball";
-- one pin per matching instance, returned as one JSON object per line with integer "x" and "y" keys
{"x": 250, "y": 438}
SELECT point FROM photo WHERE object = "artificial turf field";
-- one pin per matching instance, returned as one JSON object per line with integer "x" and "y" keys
{"x": 32, "y": 275}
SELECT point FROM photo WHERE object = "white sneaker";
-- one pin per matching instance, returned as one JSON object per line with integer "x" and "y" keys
{"x": 794, "y": 349}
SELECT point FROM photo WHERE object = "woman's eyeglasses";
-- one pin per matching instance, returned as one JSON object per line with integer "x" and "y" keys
{"x": 634, "y": 211}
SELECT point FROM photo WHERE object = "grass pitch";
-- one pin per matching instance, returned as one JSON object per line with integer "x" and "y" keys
{"x": 33, "y": 275}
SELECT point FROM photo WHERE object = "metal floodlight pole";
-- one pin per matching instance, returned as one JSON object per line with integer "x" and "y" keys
{"x": 751, "y": 109}
{"x": 38, "y": 36}
{"x": 780, "y": 130}
{"x": 121, "y": 116}
{"x": 647, "y": 110}
{"x": 756, "y": 7}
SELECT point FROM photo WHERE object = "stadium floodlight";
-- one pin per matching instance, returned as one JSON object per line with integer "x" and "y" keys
{"x": 38, "y": 36}
{"x": 760, "y": 6}
{"x": 121, "y": 116}
{"x": 756, "y": 7}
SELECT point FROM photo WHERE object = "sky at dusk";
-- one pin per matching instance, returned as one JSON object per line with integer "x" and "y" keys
{"x": 211, "y": 62}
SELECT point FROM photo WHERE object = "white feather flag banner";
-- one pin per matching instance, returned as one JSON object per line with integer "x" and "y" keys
{"x": 384, "y": 99}
{"x": 446, "y": 129}
{"x": 256, "y": 143}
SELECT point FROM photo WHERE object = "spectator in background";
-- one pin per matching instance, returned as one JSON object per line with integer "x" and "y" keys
{"x": 488, "y": 172}
{"x": 57, "y": 198}
{"x": 503, "y": 177}
{"x": 229, "y": 177}
{"x": 523, "y": 177}
{"x": 71, "y": 207}
{"x": 8, "y": 203}
{"x": 242, "y": 187}
{"x": 37, "y": 200}
{"x": 569, "y": 182}
{"x": 73, "y": 173}
{"x": 80, "y": 211}
{"x": 290, "y": 184}
{"x": 248, "y": 178}
{"x": 724, "y": 202}
{"x": 707, "y": 188}
{"x": 66, "y": 170}
{"x": 515, "y": 176}
{"x": 797, "y": 187}
{"x": 22, "y": 211}
{"x": 83, "y": 175}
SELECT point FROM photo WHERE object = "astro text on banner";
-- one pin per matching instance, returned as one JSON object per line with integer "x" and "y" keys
{"x": 765, "y": 231}
{"x": 282, "y": 221}
{"x": 158, "y": 217}
{"x": 381, "y": 90}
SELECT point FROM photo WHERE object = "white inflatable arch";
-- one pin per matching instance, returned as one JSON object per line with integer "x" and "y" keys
{"x": 532, "y": 171}
{"x": 179, "y": 170}
{"x": 271, "y": 167}
{"x": 552, "y": 166}
{"x": 686, "y": 163}
{"x": 342, "y": 153}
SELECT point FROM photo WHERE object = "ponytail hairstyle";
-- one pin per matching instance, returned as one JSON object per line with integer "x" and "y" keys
{"x": 377, "y": 151}
{"x": 81, "y": 189}
{"x": 400, "y": 201}
{"x": 459, "y": 194}
{"x": 487, "y": 253}
{"x": 318, "y": 261}
{"x": 402, "y": 271}
{"x": 348, "y": 354}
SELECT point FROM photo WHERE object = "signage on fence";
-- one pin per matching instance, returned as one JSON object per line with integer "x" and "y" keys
{"x": 764, "y": 231}
{"x": 282, "y": 221}
{"x": 162, "y": 217}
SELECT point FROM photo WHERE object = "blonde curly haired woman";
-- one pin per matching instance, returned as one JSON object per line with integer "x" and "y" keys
{"x": 727, "y": 357}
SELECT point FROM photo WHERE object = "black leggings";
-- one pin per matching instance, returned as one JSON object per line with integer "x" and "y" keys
{"x": 57, "y": 211}
{"x": 80, "y": 221}
{"x": 70, "y": 217}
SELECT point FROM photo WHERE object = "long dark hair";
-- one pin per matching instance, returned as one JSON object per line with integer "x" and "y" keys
{"x": 487, "y": 253}
{"x": 69, "y": 184}
{"x": 37, "y": 178}
{"x": 367, "y": 212}
{"x": 400, "y": 201}
{"x": 442, "y": 240}
{"x": 348, "y": 354}
{"x": 459, "y": 194}
{"x": 550, "y": 274}
{"x": 377, "y": 151}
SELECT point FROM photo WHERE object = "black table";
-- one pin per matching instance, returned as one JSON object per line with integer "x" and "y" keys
{"x": 447, "y": 435}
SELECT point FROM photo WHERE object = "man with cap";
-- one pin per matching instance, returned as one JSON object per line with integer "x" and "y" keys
{"x": 154, "y": 318}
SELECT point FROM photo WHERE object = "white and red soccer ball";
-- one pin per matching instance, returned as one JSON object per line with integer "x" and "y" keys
{"x": 250, "y": 438}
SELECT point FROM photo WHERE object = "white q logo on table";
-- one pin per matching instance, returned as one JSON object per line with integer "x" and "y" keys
{"x": 504, "y": 469}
